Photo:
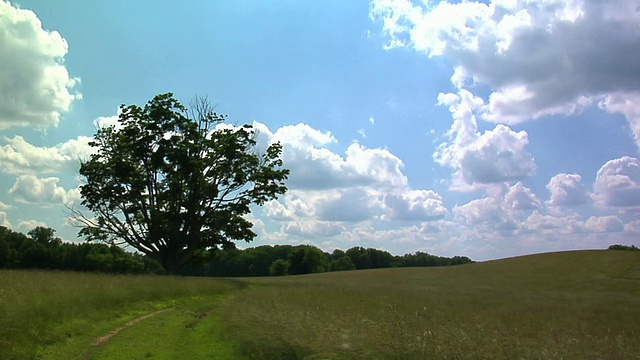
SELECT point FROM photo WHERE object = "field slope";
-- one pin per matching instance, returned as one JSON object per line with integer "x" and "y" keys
{"x": 572, "y": 305}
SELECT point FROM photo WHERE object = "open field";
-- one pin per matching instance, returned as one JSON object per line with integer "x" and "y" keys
{"x": 572, "y": 305}
{"x": 58, "y": 315}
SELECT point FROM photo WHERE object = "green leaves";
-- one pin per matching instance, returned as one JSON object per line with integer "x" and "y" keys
{"x": 170, "y": 184}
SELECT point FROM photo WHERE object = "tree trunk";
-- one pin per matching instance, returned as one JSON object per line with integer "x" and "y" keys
{"x": 173, "y": 263}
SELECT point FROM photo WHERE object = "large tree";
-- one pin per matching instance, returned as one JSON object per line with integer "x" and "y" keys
{"x": 171, "y": 181}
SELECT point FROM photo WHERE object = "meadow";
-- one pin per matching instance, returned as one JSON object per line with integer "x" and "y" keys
{"x": 571, "y": 305}
{"x": 60, "y": 315}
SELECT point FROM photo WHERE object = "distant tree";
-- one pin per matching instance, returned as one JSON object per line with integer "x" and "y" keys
{"x": 170, "y": 182}
{"x": 306, "y": 260}
{"x": 44, "y": 235}
{"x": 341, "y": 264}
{"x": 360, "y": 257}
{"x": 380, "y": 259}
{"x": 624, "y": 247}
{"x": 369, "y": 258}
{"x": 279, "y": 267}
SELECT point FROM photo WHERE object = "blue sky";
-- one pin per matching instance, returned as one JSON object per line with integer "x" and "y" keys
{"x": 485, "y": 129}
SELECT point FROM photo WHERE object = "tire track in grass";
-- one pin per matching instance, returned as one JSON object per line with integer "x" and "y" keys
{"x": 199, "y": 318}
{"x": 104, "y": 339}
{"x": 192, "y": 331}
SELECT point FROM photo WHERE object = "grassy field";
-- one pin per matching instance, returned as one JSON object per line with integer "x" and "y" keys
{"x": 573, "y": 305}
{"x": 58, "y": 315}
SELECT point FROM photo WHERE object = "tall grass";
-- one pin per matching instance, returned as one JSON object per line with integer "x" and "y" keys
{"x": 575, "y": 305}
{"x": 40, "y": 308}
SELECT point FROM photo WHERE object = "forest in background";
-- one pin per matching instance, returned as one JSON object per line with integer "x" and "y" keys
{"x": 41, "y": 249}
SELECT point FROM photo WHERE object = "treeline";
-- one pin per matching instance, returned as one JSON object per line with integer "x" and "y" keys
{"x": 282, "y": 260}
{"x": 624, "y": 247}
{"x": 42, "y": 250}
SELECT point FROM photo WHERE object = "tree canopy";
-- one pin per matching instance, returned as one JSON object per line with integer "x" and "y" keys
{"x": 171, "y": 181}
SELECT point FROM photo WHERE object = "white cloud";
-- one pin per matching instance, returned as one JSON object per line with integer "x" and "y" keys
{"x": 487, "y": 210}
{"x": 537, "y": 57}
{"x": 30, "y": 189}
{"x": 106, "y": 121}
{"x": 329, "y": 192}
{"x": 4, "y": 221}
{"x": 519, "y": 197}
{"x": 632, "y": 227}
{"x": 567, "y": 190}
{"x": 497, "y": 155}
{"x": 340, "y": 204}
{"x": 618, "y": 184}
{"x": 4, "y": 206}
{"x": 540, "y": 223}
{"x": 27, "y": 225}
{"x": 35, "y": 87}
{"x": 627, "y": 104}
{"x": 315, "y": 167}
{"x": 276, "y": 211}
{"x": 303, "y": 136}
{"x": 20, "y": 157}
{"x": 312, "y": 229}
{"x": 418, "y": 205}
{"x": 352, "y": 205}
{"x": 604, "y": 224}
{"x": 494, "y": 156}
{"x": 503, "y": 210}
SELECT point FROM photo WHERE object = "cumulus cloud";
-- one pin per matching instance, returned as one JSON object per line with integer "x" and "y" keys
{"x": 567, "y": 190}
{"x": 418, "y": 205}
{"x": 519, "y": 197}
{"x": 352, "y": 205}
{"x": 537, "y": 57}
{"x": 106, "y": 121}
{"x": 487, "y": 210}
{"x": 537, "y": 222}
{"x": 632, "y": 227}
{"x": 4, "y": 206}
{"x": 503, "y": 210}
{"x": 325, "y": 187}
{"x": 18, "y": 156}
{"x": 495, "y": 156}
{"x": 30, "y": 189}
{"x": 626, "y": 104}
{"x": 26, "y": 225}
{"x": 618, "y": 184}
{"x": 35, "y": 86}
{"x": 314, "y": 166}
{"x": 312, "y": 229}
{"x": 604, "y": 224}
{"x": 4, "y": 221}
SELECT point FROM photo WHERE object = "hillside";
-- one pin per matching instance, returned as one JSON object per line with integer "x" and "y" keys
{"x": 581, "y": 304}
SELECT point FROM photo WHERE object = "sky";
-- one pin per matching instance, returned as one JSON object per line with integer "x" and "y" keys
{"x": 484, "y": 129}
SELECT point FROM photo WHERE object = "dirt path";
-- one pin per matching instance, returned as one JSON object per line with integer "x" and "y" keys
{"x": 104, "y": 339}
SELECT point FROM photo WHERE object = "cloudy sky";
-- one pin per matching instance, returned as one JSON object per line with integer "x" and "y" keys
{"x": 486, "y": 129}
